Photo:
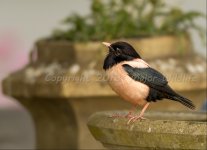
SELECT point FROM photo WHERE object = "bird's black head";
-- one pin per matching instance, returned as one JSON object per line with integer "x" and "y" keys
{"x": 118, "y": 52}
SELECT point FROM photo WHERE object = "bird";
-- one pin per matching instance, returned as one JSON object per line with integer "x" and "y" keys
{"x": 135, "y": 81}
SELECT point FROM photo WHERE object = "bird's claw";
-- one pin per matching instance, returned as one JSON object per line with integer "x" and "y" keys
{"x": 133, "y": 119}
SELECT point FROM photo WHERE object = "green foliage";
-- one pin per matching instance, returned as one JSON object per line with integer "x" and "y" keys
{"x": 115, "y": 19}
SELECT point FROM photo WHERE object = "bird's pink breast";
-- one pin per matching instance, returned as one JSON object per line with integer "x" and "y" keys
{"x": 132, "y": 91}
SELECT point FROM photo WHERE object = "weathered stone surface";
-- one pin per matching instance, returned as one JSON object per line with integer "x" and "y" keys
{"x": 41, "y": 79}
{"x": 151, "y": 133}
{"x": 84, "y": 52}
{"x": 55, "y": 122}
{"x": 51, "y": 51}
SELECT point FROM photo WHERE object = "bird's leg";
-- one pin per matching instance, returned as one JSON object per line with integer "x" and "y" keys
{"x": 140, "y": 116}
{"x": 128, "y": 115}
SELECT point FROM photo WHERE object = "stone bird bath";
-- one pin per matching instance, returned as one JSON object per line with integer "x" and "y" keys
{"x": 184, "y": 130}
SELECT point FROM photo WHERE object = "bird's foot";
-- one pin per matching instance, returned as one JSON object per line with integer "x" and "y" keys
{"x": 134, "y": 118}
{"x": 129, "y": 115}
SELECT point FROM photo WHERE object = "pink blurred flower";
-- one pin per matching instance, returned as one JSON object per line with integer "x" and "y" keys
{"x": 12, "y": 57}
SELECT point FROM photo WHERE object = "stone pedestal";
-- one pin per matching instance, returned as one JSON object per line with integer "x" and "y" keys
{"x": 55, "y": 122}
{"x": 185, "y": 131}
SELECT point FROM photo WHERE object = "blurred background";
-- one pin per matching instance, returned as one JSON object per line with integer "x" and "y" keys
{"x": 24, "y": 22}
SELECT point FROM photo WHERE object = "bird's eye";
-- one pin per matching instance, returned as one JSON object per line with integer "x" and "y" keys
{"x": 118, "y": 49}
{"x": 117, "y": 52}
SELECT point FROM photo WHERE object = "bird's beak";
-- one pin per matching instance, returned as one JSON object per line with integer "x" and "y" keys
{"x": 106, "y": 44}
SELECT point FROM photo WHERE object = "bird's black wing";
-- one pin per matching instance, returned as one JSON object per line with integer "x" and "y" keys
{"x": 148, "y": 76}
{"x": 158, "y": 85}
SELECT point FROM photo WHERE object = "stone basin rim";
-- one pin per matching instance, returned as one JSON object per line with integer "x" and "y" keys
{"x": 161, "y": 115}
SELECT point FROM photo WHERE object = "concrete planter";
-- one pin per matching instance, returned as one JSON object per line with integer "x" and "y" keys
{"x": 149, "y": 48}
{"x": 186, "y": 131}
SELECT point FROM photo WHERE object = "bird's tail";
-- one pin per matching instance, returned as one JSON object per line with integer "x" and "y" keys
{"x": 183, "y": 100}
{"x": 171, "y": 94}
